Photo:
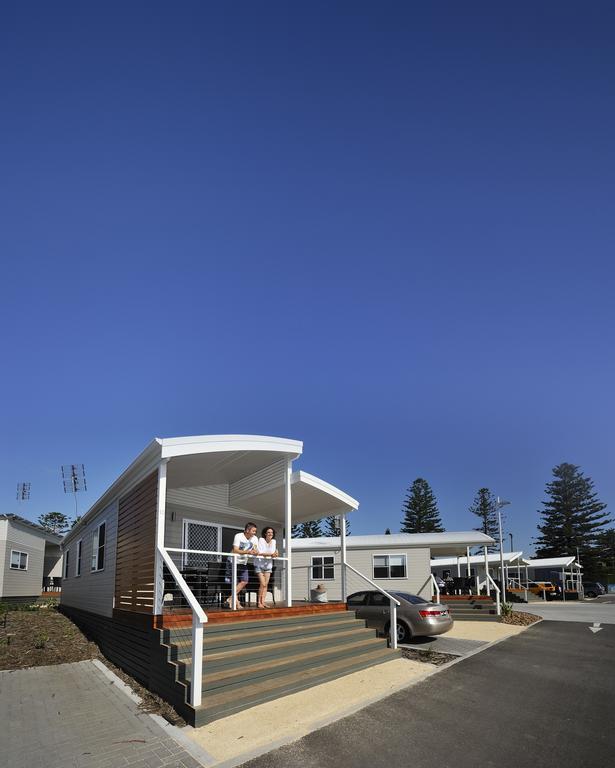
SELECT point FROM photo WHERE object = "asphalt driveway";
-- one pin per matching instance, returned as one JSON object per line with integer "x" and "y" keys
{"x": 601, "y": 610}
{"x": 543, "y": 698}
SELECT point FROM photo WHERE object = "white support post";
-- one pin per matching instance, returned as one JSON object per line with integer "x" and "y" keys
{"x": 563, "y": 585}
{"x": 288, "y": 525}
{"x": 161, "y": 506}
{"x": 342, "y": 519}
{"x": 393, "y": 625}
{"x": 197, "y": 661}
{"x": 486, "y": 570}
{"x": 234, "y": 582}
{"x": 468, "y": 569}
{"x": 458, "y": 568}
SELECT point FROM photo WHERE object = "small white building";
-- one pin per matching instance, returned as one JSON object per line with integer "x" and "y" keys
{"x": 474, "y": 567}
{"x": 397, "y": 562}
{"x": 29, "y": 557}
{"x": 563, "y": 570}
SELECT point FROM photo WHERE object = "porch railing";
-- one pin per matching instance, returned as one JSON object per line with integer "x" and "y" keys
{"x": 497, "y": 594}
{"x": 198, "y": 619}
{"x": 393, "y": 603}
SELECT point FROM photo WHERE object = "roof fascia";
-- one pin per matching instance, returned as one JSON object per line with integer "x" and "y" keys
{"x": 316, "y": 482}
{"x": 185, "y": 446}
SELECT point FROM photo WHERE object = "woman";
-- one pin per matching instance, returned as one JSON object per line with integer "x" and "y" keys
{"x": 263, "y": 565}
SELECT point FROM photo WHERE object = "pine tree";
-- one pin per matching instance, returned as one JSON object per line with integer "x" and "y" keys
{"x": 485, "y": 507}
{"x": 605, "y": 556}
{"x": 54, "y": 522}
{"x": 332, "y": 526}
{"x": 310, "y": 530}
{"x": 295, "y": 531}
{"x": 420, "y": 510}
{"x": 387, "y": 532}
{"x": 572, "y": 518}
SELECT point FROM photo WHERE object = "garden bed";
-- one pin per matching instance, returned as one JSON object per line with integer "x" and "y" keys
{"x": 38, "y": 636}
{"x": 520, "y": 619}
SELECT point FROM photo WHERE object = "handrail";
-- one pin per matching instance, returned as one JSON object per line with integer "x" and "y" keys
{"x": 199, "y": 617}
{"x": 393, "y": 603}
{"x": 497, "y": 595}
{"x": 435, "y": 583}
{"x": 213, "y": 552}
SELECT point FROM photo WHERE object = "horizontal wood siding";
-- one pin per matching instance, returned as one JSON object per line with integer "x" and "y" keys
{"x": 93, "y": 591}
{"x": 16, "y": 583}
{"x": 259, "y": 482}
{"x": 136, "y": 547}
{"x": 417, "y": 563}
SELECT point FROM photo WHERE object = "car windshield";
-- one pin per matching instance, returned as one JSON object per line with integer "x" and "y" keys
{"x": 414, "y": 599}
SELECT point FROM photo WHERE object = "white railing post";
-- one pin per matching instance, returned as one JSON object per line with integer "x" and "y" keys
{"x": 393, "y": 626}
{"x": 497, "y": 596}
{"x": 160, "y": 524}
{"x": 437, "y": 588}
{"x": 196, "y": 683}
{"x": 486, "y": 553}
{"x": 234, "y": 582}
{"x": 342, "y": 519}
{"x": 288, "y": 526}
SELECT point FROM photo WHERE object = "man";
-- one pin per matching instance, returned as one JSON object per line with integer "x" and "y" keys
{"x": 244, "y": 544}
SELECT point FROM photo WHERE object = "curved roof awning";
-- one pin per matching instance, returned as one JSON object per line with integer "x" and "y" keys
{"x": 311, "y": 498}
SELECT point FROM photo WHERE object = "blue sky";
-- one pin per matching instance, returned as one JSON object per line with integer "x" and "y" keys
{"x": 385, "y": 229}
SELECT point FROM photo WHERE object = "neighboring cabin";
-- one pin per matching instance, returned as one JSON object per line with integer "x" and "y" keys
{"x": 29, "y": 556}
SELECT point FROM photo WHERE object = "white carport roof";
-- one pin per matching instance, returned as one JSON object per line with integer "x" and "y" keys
{"x": 450, "y": 541}
{"x": 509, "y": 557}
{"x": 551, "y": 562}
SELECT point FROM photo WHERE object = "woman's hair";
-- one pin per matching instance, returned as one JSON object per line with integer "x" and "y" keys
{"x": 265, "y": 529}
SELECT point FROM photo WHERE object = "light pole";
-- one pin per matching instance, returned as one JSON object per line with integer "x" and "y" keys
{"x": 511, "y": 542}
{"x": 498, "y": 505}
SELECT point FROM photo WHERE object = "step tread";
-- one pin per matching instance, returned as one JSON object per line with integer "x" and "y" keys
{"x": 265, "y": 667}
{"x": 279, "y": 645}
{"x": 297, "y": 680}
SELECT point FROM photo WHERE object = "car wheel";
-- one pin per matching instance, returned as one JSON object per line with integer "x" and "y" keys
{"x": 403, "y": 633}
{"x": 591, "y": 594}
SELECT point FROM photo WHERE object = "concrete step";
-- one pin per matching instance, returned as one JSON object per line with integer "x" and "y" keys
{"x": 225, "y": 702}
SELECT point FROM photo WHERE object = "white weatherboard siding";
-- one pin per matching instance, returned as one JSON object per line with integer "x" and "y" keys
{"x": 16, "y": 583}
{"x": 3, "y": 529}
{"x": 93, "y": 591}
{"x": 417, "y": 580}
{"x": 258, "y": 482}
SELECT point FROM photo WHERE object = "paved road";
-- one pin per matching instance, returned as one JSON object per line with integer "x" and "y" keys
{"x": 543, "y": 698}
{"x": 601, "y": 610}
{"x": 444, "y": 644}
{"x": 73, "y": 716}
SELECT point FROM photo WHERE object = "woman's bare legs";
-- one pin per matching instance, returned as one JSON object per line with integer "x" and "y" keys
{"x": 262, "y": 589}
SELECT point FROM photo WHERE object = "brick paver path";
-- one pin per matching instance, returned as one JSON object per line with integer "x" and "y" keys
{"x": 73, "y": 716}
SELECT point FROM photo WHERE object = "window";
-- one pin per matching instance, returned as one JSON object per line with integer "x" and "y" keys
{"x": 389, "y": 566}
{"x": 78, "y": 563}
{"x": 377, "y": 598}
{"x": 323, "y": 568}
{"x": 359, "y": 598}
{"x": 19, "y": 560}
{"x": 66, "y": 562}
{"x": 98, "y": 547}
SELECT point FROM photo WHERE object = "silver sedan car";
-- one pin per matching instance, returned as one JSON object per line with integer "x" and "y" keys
{"x": 416, "y": 617}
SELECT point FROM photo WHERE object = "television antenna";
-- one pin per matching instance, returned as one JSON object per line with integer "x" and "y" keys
{"x": 73, "y": 479}
{"x": 23, "y": 491}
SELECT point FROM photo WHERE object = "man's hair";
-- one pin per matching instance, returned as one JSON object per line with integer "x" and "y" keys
{"x": 249, "y": 525}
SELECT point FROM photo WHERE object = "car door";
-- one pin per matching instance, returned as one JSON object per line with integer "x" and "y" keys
{"x": 377, "y": 610}
{"x": 358, "y": 604}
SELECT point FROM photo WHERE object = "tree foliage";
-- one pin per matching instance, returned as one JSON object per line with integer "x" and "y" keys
{"x": 310, "y": 530}
{"x": 332, "y": 526}
{"x": 54, "y": 522}
{"x": 485, "y": 508}
{"x": 420, "y": 509}
{"x": 572, "y": 517}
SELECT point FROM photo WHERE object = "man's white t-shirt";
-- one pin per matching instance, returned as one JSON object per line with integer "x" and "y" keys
{"x": 242, "y": 542}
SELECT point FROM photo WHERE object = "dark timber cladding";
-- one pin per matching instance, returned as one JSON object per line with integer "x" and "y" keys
{"x": 136, "y": 547}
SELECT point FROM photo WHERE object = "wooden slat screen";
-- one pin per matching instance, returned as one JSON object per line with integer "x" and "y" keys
{"x": 136, "y": 547}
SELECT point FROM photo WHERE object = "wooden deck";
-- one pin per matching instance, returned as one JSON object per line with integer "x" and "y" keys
{"x": 183, "y": 618}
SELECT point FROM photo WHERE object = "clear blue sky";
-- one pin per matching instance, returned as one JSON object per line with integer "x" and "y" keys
{"x": 386, "y": 229}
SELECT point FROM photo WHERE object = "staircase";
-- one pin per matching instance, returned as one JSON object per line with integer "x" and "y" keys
{"x": 471, "y": 607}
{"x": 250, "y": 661}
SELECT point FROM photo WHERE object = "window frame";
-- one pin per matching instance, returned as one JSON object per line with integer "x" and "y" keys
{"x": 323, "y": 566}
{"x": 67, "y": 563}
{"x": 78, "y": 557}
{"x": 96, "y": 548}
{"x": 18, "y": 566}
{"x": 403, "y": 555}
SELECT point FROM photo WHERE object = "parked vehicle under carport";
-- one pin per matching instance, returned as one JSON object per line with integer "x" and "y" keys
{"x": 416, "y": 617}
